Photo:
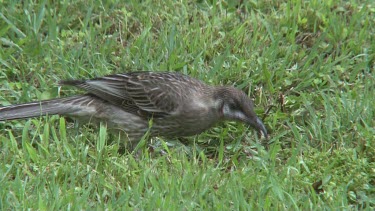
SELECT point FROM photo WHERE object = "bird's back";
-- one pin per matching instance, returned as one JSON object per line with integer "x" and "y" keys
{"x": 148, "y": 93}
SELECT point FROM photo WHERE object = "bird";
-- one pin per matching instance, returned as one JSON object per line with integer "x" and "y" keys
{"x": 178, "y": 105}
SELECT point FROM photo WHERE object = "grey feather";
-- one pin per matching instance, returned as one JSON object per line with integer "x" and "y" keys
{"x": 178, "y": 104}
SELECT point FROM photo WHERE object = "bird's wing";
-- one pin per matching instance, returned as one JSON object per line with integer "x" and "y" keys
{"x": 147, "y": 93}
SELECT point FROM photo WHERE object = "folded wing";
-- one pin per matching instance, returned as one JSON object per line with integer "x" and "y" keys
{"x": 145, "y": 93}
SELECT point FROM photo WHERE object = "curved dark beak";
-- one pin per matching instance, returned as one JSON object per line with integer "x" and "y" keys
{"x": 257, "y": 124}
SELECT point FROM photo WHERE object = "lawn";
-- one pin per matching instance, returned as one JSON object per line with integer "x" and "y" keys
{"x": 308, "y": 65}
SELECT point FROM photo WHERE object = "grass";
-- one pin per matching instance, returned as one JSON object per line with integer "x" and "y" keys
{"x": 310, "y": 63}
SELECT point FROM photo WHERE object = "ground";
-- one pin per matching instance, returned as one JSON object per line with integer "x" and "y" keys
{"x": 308, "y": 65}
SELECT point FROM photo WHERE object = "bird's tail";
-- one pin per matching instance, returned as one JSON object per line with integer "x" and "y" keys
{"x": 68, "y": 105}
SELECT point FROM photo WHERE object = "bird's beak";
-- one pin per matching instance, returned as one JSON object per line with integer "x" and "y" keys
{"x": 258, "y": 125}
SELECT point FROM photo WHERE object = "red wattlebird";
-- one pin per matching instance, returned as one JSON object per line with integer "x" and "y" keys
{"x": 178, "y": 104}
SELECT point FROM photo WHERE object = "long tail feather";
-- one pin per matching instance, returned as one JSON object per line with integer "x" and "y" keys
{"x": 69, "y": 105}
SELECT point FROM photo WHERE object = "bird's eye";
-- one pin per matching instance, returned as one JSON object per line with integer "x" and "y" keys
{"x": 229, "y": 108}
{"x": 233, "y": 106}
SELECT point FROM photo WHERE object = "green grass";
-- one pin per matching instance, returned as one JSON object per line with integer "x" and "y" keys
{"x": 312, "y": 63}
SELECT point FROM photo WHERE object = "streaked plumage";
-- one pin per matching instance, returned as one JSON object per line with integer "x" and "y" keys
{"x": 178, "y": 104}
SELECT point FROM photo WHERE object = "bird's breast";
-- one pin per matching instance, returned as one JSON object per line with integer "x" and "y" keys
{"x": 187, "y": 122}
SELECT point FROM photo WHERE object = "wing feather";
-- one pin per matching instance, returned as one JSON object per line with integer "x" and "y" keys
{"x": 148, "y": 93}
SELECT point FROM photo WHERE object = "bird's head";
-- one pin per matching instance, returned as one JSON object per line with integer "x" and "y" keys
{"x": 234, "y": 104}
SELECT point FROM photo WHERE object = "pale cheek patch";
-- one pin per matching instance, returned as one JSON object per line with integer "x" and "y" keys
{"x": 226, "y": 110}
{"x": 233, "y": 114}
{"x": 239, "y": 115}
